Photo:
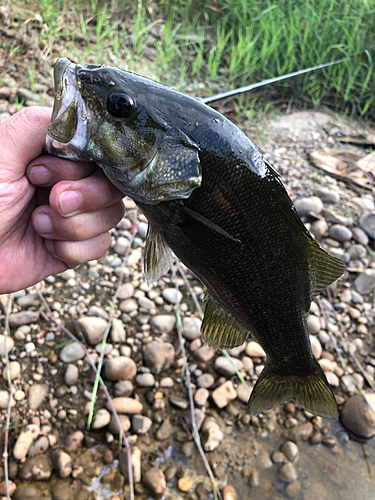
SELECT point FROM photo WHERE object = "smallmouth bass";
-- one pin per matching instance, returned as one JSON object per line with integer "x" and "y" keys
{"x": 211, "y": 197}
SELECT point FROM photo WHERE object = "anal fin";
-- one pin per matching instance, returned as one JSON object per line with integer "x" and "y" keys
{"x": 221, "y": 330}
{"x": 312, "y": 392}
{"x": 157, "y": 256}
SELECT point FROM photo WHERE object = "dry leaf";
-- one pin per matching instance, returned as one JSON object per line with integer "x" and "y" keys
{"x": 358, "y": 138}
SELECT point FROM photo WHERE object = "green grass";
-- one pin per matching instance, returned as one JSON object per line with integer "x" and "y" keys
{"x": 225, "y": 44}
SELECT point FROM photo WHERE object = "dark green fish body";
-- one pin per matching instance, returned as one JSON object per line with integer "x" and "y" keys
{"x": 208, "y": 195}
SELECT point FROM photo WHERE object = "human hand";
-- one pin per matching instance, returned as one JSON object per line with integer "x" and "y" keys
{"x": 54, "y": 213}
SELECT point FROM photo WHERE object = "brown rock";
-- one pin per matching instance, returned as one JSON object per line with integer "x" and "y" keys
{"x": 357, "y": 416}
{"x": 154, "y": 480}
{"x": 127, "y": 405}
{"x": 159, "y": 356}
{"x": 120, "y": 368}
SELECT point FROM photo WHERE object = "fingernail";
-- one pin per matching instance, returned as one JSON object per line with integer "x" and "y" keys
{"x": 42, "y": 224}
{"x": 70, "y": 201}
{"x": 40, "y": 175}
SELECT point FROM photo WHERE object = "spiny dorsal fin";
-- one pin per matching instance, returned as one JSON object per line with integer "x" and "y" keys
{"x": 219, "y": 329}
{"x": 157, "y": 256}
{"x": 324, "y": 268}
{"x": 312, "y": 392}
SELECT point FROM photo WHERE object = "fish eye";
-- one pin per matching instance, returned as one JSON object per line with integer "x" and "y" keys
{"x": 120, "y": 105}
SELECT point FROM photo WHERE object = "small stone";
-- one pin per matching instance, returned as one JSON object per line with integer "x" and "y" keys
{"x": 316, "y": 346}
{"x": 179, "y": 402}
{"x": 159, "y": 356}
{"x": 348, "y": 385}
{"x": 135, "y": 462}
{"x": 328, "y": 195}
{"x": 10, "y": 344}
{"x": 141, "y": 424}
{"x": 154, "y": 480}
{"x": 201, "y": 395}
{"x": 128, "y": 305}
{"x": 36, "y": 469}
{"x": 25, "y": 440}
{"x": 229, "y": 493}
{"x": 73, "y": 441}
{"x": 118, "y": 334}
{"x": 71, "y": 352}
{"x": 12, "y": 487}
{"x": 185, "y": 484}
{"x": 62, "y": 463}
{"x": 163, "y": 323}
{"x": 367, "y": 223}
{"x": 101, "y": 419}
{"x": 120, "y": 368}
{"x": 357, "y": 252}
{"x": 205, "y": 380}
{"x": 319, "y": 228}
{"x": 92, "y": 328}
{"x": 126, "y": 291}
{"x": 278, "y": 457}
{"x": 123, "y": 388}
{"x": 263, "y": 460}
{"x": 14, "y": 370}
{"x": 360, "y": 236}
{"x": 340, "y": 233}
{"x": 204, "y": 354}
{"x": 213, "y": 433}
{"x": 290, "y": 450}
{"x": 191, "y": 327}
{"x": 127, "y": 405}
{"x": 305, "y": 206}
{"x": 71, "y": 375}
{"x": 166, "y": 382}
{"x": 39, "y": 446}
{"x": 293, "y": 490}
{"x": 36, "y": 395}
{"x": 313, "y": 324}
{"x": 315, "y": 438}
{"x": 333, "y": 379}
{"x": 4, "y": 400}
{"x": 224, "y": 366}
{"x": 254, "y": 478}
{"x": 146, "y": 303}
{"x": 170, "y": 295}
{"x": 326, "y": 365}
{"x": 121, "y": 246}
{"x": 224, "y": 394}
{"x": 23, "y": 318}
{"x": 300, "y": 433}
{"x": 124, "y": 422}
{"x": 288, "y": 473}
{"x": 365, "y": 282}
{"x": 357, "y": 417}
{"x": 243, "y": 392}
{"x": 62, "y": 490}
{"x": 165, "y": 430}
{"x": 254, "y": 350}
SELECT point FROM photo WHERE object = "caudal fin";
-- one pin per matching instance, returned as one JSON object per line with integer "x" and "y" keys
{"x": 312, "y": 392}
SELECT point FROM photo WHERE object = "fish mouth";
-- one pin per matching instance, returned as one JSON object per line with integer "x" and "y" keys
{"x": 67, "y": 132}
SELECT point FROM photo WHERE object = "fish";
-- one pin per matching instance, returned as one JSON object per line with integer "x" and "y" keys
{"x": 212, "y": 199}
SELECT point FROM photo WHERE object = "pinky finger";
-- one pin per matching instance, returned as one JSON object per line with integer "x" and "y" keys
{"x": 74, "y": 253}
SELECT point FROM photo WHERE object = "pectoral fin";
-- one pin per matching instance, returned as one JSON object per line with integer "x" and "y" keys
{"x": 221, "y": 330}
{"x": 157, "y": 256}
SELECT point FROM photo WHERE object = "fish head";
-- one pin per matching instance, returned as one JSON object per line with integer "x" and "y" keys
{"x": 124, "y": 123}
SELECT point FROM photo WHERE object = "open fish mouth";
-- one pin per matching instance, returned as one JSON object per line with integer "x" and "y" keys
{"x": 68, "y": 130}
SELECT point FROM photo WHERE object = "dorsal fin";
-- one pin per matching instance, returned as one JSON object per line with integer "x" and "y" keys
{"x": 324, "y": 268}
{"x": 221, "y": 330}
{"x": 157, "y": 256}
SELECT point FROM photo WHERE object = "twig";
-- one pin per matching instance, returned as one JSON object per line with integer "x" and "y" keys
{"x": 104, "y": 387}
{"x": 11, "y": 390}
{"x": 196, "y": 436}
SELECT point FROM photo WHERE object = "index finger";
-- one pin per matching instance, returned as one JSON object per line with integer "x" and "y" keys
{"x": 23, "y": 136}
{"x": 47, "y": 170}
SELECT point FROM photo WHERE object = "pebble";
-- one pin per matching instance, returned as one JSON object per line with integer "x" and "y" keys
{"x": 36, "y": 395}
{"x": 191, "y": 327}
{"x": 254, "y": 478}
{"x": 201, "y": 395}
{"x": 316, "y": 346}
{"x": 120, "y": 368}
{"x": 365, "y": 282}
{"x": 185, "y": 484}
{"x": 62, "y": 463}
{"x": 101, "y": 419}
{"x": 288, "y": 473}
{"x": 127, "y": 405}
{"x": 360, "y": 236}
{"x": 290, "y": 450}
{"x": 313, "y": 324}
{"x": 126, "y": 291}
{"x": 154, "y": 480}
{"x": 25, "y": 440}
{"x": 254, "y": 350}
{"x": 135, "y": 459}
{"x": 214, "y": 435}
{"x": 121, "y": 246}
{"x": 123, "y": 388}
{"x": 224, "y": 366}
{"x": 73, "y": 441}
{"x": 72, "y": 352}
{"x": 145, "y": 380}
{"x": 340, "y": 233}
{"x": 92, "y": 328}
{"x": 39, "y": 446}
{"x": 118, "y": 333}
{"x": 263, "y": 460}
{"x": 348, "y": 385}
{"x": 357, "y": 417}
{"x": 224, "y": 394}
{"x": 332, "y": 378}
{"x": 159, "y": 356}
{"x": 163, "y": 323}
{"x": 165, "y": 430}
{"x": 71, "y": 375}
{"x": 141, "y": 424}
{"x": 278, "y": 457}
{"x": 36, "y": 469}
{"x": 205, "y": 380}
{"x": 300, "y": 433}
{"x": 179, "y": 402}
{"x": 169, "y": 295}
{"x": 204, "y": 353}
{"x": 229, "y": 493}
{"x": 367, "y": 223}
{"x": 124, "y": 422}
{"x": 243, "y": 392}
{"x": 10, "y": 344}
{"x": 14, "y": 370}
{"x": 319, "y": 228}
{"x": 23, "y": 318}
{"x": 305, "y": 206}
{"x": 328, "y": 195}
{"x": 166, "y": 382}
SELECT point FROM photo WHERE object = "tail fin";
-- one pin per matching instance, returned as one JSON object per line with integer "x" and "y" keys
{"x": 312, "y": 392}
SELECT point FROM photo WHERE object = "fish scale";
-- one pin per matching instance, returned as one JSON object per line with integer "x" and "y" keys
{"x": 208, "y": 195}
